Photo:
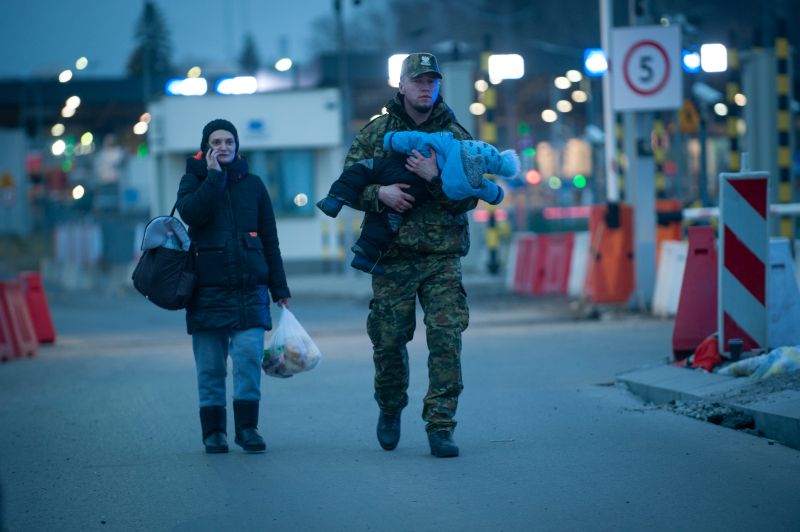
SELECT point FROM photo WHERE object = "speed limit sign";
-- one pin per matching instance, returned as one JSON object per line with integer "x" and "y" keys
{"x": 646, "y": 72}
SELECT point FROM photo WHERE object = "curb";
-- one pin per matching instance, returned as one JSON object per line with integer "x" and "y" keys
{"x": 775, "y": 415}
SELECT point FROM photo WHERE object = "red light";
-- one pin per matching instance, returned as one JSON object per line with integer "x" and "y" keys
{"x": 482, "y": 215}
{"x": 560, "y": 213}
{"x": 533, "y": 177}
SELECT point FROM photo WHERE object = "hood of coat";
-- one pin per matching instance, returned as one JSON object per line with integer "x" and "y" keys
{"x": 236, "y": 170}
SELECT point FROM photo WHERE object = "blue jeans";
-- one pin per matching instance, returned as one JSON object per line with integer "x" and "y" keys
{"x": 211, "y": 349}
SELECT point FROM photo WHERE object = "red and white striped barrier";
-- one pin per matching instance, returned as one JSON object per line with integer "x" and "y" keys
{"x": 743, "y": 260}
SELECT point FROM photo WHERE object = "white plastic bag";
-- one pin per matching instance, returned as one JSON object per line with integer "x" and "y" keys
{"x": 289, "y": 350}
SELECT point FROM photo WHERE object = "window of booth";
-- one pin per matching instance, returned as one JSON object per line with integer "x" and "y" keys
{"x": 289, "y": 177}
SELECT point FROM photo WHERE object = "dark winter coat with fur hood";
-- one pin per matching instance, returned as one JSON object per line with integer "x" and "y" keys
{"x": 235, "y": 245}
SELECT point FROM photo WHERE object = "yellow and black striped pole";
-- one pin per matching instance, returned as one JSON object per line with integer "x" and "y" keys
{"x": 732, "y": 91}
{"x": 488, "y": 133}
{"x": 659, "y": 155}
{"x": 785, "y": 227}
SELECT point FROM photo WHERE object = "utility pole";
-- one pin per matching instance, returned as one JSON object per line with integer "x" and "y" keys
{"x": 344, "y": 82}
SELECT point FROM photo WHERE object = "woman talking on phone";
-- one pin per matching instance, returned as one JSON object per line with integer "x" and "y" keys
{"x": 238, "y": 265}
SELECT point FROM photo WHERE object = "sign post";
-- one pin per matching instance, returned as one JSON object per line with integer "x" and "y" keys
{"x": 646, "y": 76}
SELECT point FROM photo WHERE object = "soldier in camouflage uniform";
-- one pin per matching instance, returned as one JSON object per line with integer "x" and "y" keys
{"x": 424, "y": 262}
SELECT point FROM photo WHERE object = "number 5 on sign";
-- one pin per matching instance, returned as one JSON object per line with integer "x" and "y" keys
{"x": 646, "y": 72}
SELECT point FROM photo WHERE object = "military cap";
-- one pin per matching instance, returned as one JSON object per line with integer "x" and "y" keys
{"x": 420, "y": 63}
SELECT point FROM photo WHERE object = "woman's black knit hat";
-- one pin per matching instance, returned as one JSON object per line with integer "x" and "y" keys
{"x": 217, "y": 124}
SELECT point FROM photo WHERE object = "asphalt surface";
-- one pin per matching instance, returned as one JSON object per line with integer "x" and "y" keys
{"x": 101, "y": 431}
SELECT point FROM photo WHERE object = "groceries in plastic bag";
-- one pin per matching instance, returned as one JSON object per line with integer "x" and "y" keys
{"x": 289, "y": 350}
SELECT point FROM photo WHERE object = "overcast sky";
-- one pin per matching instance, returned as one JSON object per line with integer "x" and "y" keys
{"x": 46, "y": 36}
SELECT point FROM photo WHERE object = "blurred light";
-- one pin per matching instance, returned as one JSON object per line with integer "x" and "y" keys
{"x": 78, "y": 191}
{"x": 721, "y": 109}
{"x": 187, "y": 87}
{"x": 482, "y": 215}
{"x": 595, "y": 63}
{"x": 140, "y": 128}
{"x": 81, "y": 63}
{"x": 561, "y": 82}
{"x": 394, "y": 64}
{"x": 529, "y": 152}
{"x": 237, "y": 85}
{"x": 66, "y": 166}
{"x": 579, "y": 181}
{"x": 533, "y": 177}
{"x": 740, "y": 99}
{"x": 691, "y": 61}
{"x": 574, "y": 76}
{"x": 477, "y": 108}
{"x": 68, "y": 112}
{"x": 554, "y": 182}
{"x": 142, "y": 150}
{"x": 559, "y": 213}
{"x": 506, "y": 66}
{"x": 579, "y": 96}
{"x": 283, "y": 64}
{"x": 73, "y": 101}
{"x": 87, "y": 138}
{"x": 564, "y": 106}
{"x": 481, "y": 85}
{"x": 145, "y": 118}
{"x": 549, "y": 116}
{"x": 194, "y": 72}
{"x": 65, "y": 76}
{"x": 741, "y": 127}
{"x": 57, "y": 130}
{"x": 58, "y": 147}
{"x": 713, "y": 58}
{"x": 301, "y": 200}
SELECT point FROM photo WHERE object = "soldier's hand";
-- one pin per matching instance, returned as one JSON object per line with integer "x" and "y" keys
{"x": 393, "y": 197}
{"x": 425, "y": 167}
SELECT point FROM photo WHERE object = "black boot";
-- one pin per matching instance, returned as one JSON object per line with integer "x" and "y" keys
{"x": 442, "y": 444}
{"x": 388, "y": 429}
{"x": 245, "y": 417}
{"x": 213, "y": 420}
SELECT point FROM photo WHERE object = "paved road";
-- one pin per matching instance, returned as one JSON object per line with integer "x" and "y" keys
{"x": 101, "y": 433}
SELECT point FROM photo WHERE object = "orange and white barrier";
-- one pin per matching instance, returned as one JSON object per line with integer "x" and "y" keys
{"x": 17, "y": 334}
{"x": 578, "y": 264}
{"x": 669, "y": 277}
{"x": 696, "y": 317}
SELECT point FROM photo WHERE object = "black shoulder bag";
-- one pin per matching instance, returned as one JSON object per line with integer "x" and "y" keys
{"x": 165, "y": 272}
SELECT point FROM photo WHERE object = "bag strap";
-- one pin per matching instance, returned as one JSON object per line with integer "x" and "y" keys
{"x": 172, "y": 212}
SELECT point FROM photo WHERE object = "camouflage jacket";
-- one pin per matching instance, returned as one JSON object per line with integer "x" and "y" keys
{"x": 438, "y": 226}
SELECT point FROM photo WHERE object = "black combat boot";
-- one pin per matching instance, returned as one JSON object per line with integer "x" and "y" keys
{"x": 442, "y": 444}
{"x": 388, "y": 429}
{"x": 245, "y": 417}
{"x": 213, "y": 421}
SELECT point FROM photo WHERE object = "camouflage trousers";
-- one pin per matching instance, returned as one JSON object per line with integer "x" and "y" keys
{"x": 436, "y": 280}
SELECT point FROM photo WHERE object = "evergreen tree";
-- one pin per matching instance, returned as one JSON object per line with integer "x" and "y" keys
{"x": 153, "y": 49}
{"x": 248, "y": 59}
